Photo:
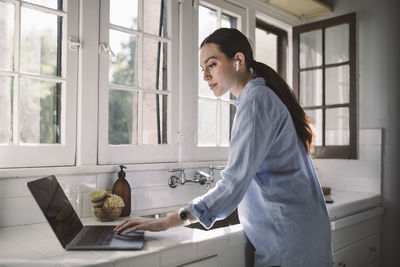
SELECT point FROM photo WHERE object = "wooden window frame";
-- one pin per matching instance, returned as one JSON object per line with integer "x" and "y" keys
{"x": 282, "y": 44}
{"x": 343, "y": 152}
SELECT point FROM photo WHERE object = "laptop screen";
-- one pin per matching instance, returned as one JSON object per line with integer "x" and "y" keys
{"x": 56, "y": 207}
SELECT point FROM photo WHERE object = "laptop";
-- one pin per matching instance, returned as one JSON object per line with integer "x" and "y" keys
{"x": 67, "y": 226}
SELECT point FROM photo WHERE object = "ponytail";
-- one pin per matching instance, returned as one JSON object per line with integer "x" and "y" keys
{"x": 282, "y": 90}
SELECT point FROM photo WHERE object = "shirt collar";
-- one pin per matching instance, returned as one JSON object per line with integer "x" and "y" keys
{"x": 256, "y": 81}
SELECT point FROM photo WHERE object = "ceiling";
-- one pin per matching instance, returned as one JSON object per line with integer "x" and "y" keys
{"x": 303, "y": 8}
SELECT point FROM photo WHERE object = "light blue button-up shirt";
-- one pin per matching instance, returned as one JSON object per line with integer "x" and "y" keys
{"x": 271, "y": 179}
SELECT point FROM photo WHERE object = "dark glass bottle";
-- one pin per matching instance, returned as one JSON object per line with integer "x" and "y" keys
{"x": 123, "y": 189}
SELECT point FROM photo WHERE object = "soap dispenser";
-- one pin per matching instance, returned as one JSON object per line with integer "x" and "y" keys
{"x": 122, "y": 188}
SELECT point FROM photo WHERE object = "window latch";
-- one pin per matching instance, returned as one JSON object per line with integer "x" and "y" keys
{"x": 73, "y": 43}
{"x": 105, "y": 49}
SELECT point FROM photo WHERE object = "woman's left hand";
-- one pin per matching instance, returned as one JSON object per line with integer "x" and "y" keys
{"x": 147, "y": 224}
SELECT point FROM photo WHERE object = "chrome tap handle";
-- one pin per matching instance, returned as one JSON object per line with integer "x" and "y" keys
{"x": 212, "y": 169}
{"x": 220, "y": 168}
{"x": 177, "y": 170}
{"x": 174, "y": 180}
{"x": 201, "y": 177}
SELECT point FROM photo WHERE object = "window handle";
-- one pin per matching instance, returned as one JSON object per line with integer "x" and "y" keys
{"x": 106, "y": 49}
{"x": 73, "y": 43}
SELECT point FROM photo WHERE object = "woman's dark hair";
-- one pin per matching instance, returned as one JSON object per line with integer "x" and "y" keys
{"x": 231, "y": 41}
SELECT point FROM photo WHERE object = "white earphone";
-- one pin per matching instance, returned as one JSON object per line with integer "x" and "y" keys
{"x": 237, "y": 65}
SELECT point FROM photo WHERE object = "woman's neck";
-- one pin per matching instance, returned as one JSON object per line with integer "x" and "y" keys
{"x": 241, "y": 83}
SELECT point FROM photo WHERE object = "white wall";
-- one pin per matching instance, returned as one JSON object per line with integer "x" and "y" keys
{"x": 378, "y": 100}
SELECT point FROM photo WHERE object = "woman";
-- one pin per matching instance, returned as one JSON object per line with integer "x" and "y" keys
{"x": 269, "y": 175}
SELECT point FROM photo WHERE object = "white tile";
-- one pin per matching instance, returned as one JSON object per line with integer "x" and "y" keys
{"x": 150, "y": 198}
{"x": 105, "y": 181}
{"x": 18, "y": 211}
{"x": 141, "y": 179}
{"x": 328, "y": 167}
{"x": 370, "y": 137}
{"x": 370, "y": 152}
{"x": 361, "y": 168}
{"x": 14, "y": 187}
{"x": 356, "y": 184}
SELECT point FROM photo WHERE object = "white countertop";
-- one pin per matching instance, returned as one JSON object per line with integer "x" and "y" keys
{"x": 36, "y": 244}
{"x": 346, "y": 203}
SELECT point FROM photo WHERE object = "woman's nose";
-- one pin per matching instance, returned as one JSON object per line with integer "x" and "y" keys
{"x": 206, "y": 75}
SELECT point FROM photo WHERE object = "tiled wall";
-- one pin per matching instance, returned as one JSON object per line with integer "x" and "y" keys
{"x": 151, "y": 193}
{"x": 361, "y": 175}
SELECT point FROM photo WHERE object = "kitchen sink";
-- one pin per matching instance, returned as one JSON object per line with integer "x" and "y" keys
{"x": 232, "y": 219}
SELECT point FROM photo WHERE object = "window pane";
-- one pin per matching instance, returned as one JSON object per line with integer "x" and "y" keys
{"x": 155, "y": 119}
{"x": 337, "y": 44}
{"x": 228, "y": 21}
{"x": 337, "y": 85}
{"x": 267, "y": 48}
{"x": 310, "y": 49}
{"x": 155, "y": 63}
{"x": 311, "y": 88}
{"x": 122, "y": 66}
{"x": 7, "y": 33}
{"x": 6, "y": 106}
{"x": 47, "y": 3}
{"x": 155, "y": 17}
{"x": 207, "y": 123}
{"x": 124, "y": 13}
{"x": 225, "y": 123}
{"x": 122, "y": 117}
{"x": 207, "y": 22}
{"x": 39, "y": 47}
{"x": 316, "y": 117}
{"x": 337, "y": 127}
{"x": 40, "y": 111}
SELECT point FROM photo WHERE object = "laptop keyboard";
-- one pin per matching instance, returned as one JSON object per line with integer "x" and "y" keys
{"x": 96, "y": 236}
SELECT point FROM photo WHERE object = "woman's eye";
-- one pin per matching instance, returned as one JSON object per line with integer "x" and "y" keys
{"x": 212, "y": 65}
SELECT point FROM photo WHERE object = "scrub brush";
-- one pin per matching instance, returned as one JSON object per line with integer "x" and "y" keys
{"x": 97, "y": 197}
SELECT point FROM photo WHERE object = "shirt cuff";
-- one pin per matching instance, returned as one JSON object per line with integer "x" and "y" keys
{"x": 199, "y": 210}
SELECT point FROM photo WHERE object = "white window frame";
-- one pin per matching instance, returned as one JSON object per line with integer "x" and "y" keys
{"x": 39, "y": 155}
{"x": 189, "y": 83}
{"x": 114, "y": 154}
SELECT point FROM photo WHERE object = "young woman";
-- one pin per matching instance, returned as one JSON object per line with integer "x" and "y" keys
{"x": 269, "y": 175}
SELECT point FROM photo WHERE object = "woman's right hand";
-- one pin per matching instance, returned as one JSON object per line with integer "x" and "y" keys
{"x": 146, "y": 224}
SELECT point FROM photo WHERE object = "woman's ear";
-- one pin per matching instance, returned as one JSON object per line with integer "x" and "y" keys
{"x": 239, "y": 60}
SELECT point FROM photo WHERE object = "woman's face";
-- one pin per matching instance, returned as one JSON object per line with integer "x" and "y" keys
{"x": 218, "y": 70}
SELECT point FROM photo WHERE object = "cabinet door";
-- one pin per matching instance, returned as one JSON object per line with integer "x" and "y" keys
{"x": 358, "y": 254}
{"x": 345, "y": 236}
{"x": 207, "y": 262}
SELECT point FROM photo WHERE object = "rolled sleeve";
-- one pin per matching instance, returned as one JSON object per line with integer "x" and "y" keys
{"x": 199, "y": 210}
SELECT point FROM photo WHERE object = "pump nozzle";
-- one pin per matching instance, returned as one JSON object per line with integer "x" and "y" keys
{"x": 121, "y": 173}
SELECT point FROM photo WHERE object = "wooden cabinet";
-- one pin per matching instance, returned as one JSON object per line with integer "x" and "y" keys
{"x": 356, "y": 239}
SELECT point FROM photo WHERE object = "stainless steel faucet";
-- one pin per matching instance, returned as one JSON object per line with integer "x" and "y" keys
{"x": 200, "y": 177}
